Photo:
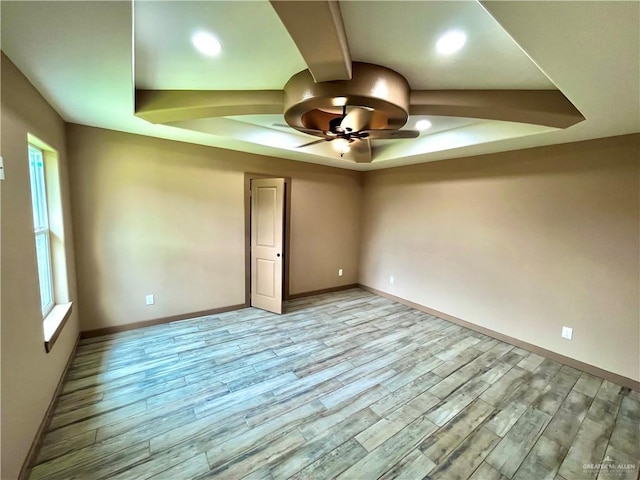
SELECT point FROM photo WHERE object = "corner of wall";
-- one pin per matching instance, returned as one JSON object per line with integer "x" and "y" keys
{"x": 30, "y": 376}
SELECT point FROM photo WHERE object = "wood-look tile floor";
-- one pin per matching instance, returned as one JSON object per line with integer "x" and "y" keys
{"x": 346, "y": 385}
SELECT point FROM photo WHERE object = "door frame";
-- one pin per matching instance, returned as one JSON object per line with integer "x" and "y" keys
{"x": 247, "y": 234}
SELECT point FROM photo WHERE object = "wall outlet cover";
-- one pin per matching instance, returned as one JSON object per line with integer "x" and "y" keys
{"x": 150, "y": 300}
{"x": 567, "y": 332}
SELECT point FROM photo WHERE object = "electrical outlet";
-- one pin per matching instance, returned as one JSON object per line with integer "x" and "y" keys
{"x": 339, "y": 272}
{"x": 391, "y": 280}
{"x": 567, "y": 333}
{"x": 150, "y": 300}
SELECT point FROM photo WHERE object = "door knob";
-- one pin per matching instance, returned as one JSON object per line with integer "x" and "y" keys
{"x": 277, "y": 254}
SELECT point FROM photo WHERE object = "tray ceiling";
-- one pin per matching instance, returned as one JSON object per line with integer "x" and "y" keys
{"x": 95, "y": 58}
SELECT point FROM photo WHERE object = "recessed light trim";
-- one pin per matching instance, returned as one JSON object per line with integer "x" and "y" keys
{"x": 423, "y": 125}
{"x": 451, "y": 41}
{"x": 206, "y": 43}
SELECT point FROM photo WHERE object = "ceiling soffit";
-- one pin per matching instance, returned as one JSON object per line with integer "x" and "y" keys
{"x": 322, "y": 42}
{"x": 308, "y": 100}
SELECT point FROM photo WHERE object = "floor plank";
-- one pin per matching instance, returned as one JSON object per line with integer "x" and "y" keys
{"x": 342, "y": 385}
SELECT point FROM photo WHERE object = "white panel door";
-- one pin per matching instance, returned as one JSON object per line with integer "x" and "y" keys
{"x": 267, "y": 221}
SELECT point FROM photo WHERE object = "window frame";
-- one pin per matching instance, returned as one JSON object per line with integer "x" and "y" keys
{"x": 57, "y": 311}
{"x": 41, "y": 228}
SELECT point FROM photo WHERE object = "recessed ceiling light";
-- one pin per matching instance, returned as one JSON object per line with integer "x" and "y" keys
{"x": 423, "y": 125}
{"x": 339, "y": 101}
{"x": 206, "y": 43}
{"x": 451, "y": 42}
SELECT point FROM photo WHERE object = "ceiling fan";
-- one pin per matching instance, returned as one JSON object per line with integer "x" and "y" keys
{"x": 353, "y": 126}
{"x": 356, "y": 125}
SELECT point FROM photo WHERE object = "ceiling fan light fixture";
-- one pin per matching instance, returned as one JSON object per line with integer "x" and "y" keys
{"x": 206, "y": 43}
{"x": 451, "y": 41}
{"x": 341, "y": 146}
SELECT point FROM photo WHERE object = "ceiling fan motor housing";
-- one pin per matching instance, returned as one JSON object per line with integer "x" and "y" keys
{"x": 310, "y": 105}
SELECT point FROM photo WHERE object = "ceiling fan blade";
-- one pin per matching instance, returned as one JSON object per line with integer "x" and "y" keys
{"x": 315, "y": 142}
{"x": 357, "y": 119}
{"x": 361, "y": 151}
{"x": 392, "y": 134}
{"x": 308, "y": 131}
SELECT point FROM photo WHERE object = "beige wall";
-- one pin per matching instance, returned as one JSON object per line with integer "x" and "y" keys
{"x": 29, "y": 375}
{"x": 521, "y": 243}
{"x": 166, "y": 218}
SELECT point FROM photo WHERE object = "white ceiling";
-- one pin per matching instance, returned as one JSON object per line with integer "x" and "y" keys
{"x": 402, "y": 36}
{"x": 258, "y": 53}
{"x": 82, "y": 63}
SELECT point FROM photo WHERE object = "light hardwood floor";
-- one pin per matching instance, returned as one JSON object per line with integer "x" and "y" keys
{"x": 345, "y": 385}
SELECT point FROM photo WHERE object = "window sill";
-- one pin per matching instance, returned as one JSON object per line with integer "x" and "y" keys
{"x": 54, "y": 322}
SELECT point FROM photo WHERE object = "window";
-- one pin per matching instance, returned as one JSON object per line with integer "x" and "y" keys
{"x": 41, "y": 228}
{"x": 48, "y": 229}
